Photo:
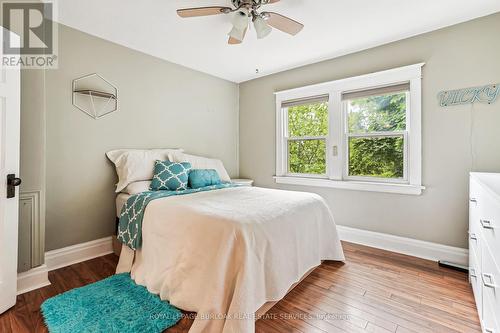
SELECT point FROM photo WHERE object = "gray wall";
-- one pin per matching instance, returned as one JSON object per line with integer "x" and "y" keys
{"x": 160, "y": 105}
{"x": 457, "y": 57}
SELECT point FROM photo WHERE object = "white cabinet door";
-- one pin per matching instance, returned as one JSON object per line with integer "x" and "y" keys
{"x": 9, "y": 167}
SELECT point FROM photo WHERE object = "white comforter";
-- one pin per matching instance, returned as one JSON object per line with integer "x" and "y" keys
{"x": 225, "y": 253}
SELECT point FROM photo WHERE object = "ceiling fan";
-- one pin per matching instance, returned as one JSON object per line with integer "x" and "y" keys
{"x": 244, "y": 10}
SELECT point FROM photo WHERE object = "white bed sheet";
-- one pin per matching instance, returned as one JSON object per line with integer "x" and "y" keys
{"x": 120, "y": 201}
{"x": 225, "y": 253}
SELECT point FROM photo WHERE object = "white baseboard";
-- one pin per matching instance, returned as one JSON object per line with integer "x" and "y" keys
{"x": 33, "y": 279}
{"x": 408, "y": 246}
{"x": 77, "y": 253}
{"x": 38, "y": 277}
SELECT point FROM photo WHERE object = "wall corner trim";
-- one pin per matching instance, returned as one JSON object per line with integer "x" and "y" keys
{"x": 409, "y": 246}
{"x": 38, "y": 277}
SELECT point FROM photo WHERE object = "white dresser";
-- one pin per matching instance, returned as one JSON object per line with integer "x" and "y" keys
{"x": 484, "y": 247}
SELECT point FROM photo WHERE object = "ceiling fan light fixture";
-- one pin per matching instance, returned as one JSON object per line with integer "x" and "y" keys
{"x": 237, "y": 34}
{"x": 241, "y": 12}
{"x": 261, "y": 27}
{"x": 240, "y": 19}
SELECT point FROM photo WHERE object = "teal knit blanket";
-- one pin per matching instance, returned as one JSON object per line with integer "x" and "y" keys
{"x": 132, "y": 214}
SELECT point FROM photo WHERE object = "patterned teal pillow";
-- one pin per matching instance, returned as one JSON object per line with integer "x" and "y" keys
{"x": 203, "y": 177}
{"x": 170, "y": 176}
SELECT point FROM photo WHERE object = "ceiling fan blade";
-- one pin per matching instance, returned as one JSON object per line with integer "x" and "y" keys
{"x": 202, "y": 11}
{"x": 283, "y": 23}
{"x": 234, "y": 41}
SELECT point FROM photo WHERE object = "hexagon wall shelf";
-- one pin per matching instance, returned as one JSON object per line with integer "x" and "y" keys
{"x": 95, "y": 95}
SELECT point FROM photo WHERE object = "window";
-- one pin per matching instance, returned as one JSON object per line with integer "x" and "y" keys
{"x": 376, "y": 133}
{"x": 358, "y": 133}
{"x": 307, "y": 133}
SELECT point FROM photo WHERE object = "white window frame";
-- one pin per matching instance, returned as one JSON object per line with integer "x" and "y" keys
{"x": 337, "y": 176}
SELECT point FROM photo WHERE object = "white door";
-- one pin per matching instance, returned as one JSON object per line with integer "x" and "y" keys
{"x": 9, "y": 168}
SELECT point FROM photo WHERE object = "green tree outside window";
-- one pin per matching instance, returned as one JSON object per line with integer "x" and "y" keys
{"x": 307, "y": 156}
{"x": 381, "y": 157}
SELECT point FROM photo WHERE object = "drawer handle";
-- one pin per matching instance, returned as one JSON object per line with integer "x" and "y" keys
{"x": 474, "y": 200}
{"x": 473, "y": 237}
{"x": 489, "y": 330}
{"x": 487, "y": 224}
{"x": 472, "y": 272}
{"x": 488, "y": 284}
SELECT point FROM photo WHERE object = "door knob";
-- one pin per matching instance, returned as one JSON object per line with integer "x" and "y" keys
{"x": 12, "y": 182}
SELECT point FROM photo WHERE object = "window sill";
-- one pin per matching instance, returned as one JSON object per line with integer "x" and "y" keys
{"x": 352, "y": 185}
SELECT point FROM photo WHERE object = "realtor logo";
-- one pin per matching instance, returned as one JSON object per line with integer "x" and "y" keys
{"x": 33, "y": 22}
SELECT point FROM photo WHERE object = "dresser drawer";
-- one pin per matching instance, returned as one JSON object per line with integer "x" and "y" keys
{"x": 476, "y": 281}
{"x": 474, "y": 189}
{"x": 475, "y": 216}
{"x": 475, "y": 240}
{"x": 489, "y": 222}
{"x": 490, "y": 280}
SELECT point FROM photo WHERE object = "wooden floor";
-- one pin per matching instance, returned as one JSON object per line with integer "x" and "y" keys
{"x": 374, "y": 291}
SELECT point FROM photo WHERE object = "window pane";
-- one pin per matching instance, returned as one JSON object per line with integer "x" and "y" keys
{"x": 307, "y": 156}
{"x": 381, "y": 157}
{"x": 308, "y": 120}
{"x": 377, "y": 113}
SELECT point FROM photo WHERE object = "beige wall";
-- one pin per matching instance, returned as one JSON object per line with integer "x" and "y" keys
{"x": 32, "y": 130}
{"x": 32, "y": 166}
{"x": 160, "y": 105}
{"x": 457, "y": 57}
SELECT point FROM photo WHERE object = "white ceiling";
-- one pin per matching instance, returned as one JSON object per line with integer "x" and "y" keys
{"x": 332, "y": 28}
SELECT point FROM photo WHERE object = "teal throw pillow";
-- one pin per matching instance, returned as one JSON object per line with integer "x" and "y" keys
{"x": 203, "y": 177}
{"x": 170, "y": 176}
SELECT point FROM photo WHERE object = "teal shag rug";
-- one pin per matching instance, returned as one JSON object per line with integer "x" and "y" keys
{"x": 115, "y": 304}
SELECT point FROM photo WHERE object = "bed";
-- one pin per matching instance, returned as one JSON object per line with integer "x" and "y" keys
{"x": 228, "y": 254}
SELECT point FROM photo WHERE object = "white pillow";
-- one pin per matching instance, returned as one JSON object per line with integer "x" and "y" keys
{"x": 137, "y": 187}
{"x": 199, "y": 162}
{"x": 134, "y": 165}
